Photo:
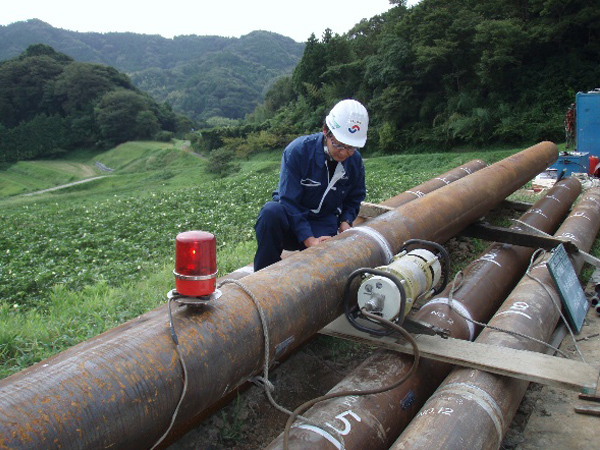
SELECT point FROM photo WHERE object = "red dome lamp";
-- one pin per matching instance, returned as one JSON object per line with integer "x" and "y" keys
{"x": 195, "y": 263}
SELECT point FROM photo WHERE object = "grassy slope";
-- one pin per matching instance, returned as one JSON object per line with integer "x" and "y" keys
{"x": 81, "y": 260}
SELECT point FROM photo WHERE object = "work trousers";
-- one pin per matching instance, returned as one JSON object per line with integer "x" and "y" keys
{"x": 275, "y": 234}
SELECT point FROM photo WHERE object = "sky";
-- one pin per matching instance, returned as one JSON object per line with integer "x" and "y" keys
{"x": 229, "y": 18}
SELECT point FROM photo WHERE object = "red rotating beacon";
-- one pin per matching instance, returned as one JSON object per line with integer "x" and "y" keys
{"x": 195, "y": 264}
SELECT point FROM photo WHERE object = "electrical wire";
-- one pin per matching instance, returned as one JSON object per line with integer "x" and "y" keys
{"x": 296, "y": 413}
{"x": 185, "y": 376}
{"x": 491, "y": 327}
{"x": 264, "y": 380}
{"x": 454, "y": 288}
{"x": 416, "y": 357}
{"x": 556, "y": 303}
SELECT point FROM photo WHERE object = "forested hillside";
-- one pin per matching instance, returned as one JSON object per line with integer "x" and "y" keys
{"x": 440, "y": 74}
{"x": 50, "y": 104}
{"x": 443, "y": 73}
{"x": 200, "y": 76}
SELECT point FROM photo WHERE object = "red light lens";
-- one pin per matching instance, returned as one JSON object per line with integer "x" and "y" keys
{"x": 195, "y": 263}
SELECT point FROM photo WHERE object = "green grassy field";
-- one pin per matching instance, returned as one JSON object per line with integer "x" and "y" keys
{"x": 78, "y": 261}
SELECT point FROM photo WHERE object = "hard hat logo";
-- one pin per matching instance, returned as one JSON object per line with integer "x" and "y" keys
{"x": 354, "y": 120}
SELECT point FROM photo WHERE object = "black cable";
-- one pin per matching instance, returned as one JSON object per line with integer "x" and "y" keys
{"x": 185, "y": 377}
{"x": 411, "y": 372}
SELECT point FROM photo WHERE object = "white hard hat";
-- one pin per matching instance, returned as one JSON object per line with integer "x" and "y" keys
{"x": 349, "y": 122}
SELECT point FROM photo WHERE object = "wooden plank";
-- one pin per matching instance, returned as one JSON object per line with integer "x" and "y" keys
{"x": 521, "y": 364}
{"x": 588, "y": 410}
{"x": 525, "y": 239}
{"x": 517, "y": 206}
{"x": 370, "y": 210}
{"x": 515, "y": 237}
{"x": 589, "y": 398}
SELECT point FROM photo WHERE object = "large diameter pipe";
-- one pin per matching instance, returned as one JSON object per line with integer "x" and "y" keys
{"x": 404, "y": 197}
{"x": 435, "y": 183}
{"x": 441, "y": 212}
{"x": 473, "y": 409}
{"x": 430, "y": 185}
{"x": 121, "y": 388}
{"x": 374, "y": 421}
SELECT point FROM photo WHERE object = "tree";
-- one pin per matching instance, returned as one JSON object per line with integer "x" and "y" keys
{"x": 502, "y": 45}
{"x": 220, "y": 162}
{"x": 24, "y": 81}
{"x": 80, "y": 85}
{"x": 311, "y": 65}
{"x": 124, "y": 115}
{"x": 280, "y": 94}
{"x": 146, "y": 124}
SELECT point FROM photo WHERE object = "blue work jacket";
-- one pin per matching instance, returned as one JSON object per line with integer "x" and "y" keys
{"x": 314, "y": 203}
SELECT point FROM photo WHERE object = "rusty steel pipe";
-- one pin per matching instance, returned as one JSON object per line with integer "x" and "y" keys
{"x": 396, "y": 201}
{"x": 435, "y": 183}
{"x": 430, "y": 185}
{"x": 120, "y": 389}
{"x": 473, "y": 409}
{"x": 440, "y": 213}
{"x": 374, "y": 421}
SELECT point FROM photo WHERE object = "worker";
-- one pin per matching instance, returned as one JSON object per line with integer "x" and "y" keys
{"x": 570, "y": 129}
{"x": 321, "y": 186}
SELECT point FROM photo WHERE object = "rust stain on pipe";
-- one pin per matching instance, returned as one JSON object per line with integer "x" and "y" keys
{"x": 473, "y": 409}
{"x": 223, "y": 342}
{"x": 375, "y": 421}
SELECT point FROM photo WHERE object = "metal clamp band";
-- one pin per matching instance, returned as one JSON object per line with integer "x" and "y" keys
{"x": 460, "y": 308}
{"x": 377, "y": 237}
{"x": 195, "y": 278}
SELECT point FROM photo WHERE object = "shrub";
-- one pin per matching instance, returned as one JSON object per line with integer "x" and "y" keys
{"x": 220, "y": 162}
{"x": 163, "y": 136}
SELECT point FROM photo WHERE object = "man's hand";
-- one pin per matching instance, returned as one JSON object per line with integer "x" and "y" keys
{"x": 312, "y": 241}
{"x": 344, "y": 226}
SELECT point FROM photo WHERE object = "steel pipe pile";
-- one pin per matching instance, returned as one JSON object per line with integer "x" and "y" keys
{"x": 435, "y": 183}
{"x": 374, "y": 421}
{"x": 121, "y": 388}
{"x": 394, "y": 202}
{"x": 430, "y": 185}
{"x": 473, "y": 409}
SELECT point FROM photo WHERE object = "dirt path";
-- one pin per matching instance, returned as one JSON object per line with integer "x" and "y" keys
{"x": 79, "y": 169}
{"x": 64, "y": 186}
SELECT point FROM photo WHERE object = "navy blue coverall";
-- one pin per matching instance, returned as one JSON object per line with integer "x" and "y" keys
{"x": 308, "y": 202}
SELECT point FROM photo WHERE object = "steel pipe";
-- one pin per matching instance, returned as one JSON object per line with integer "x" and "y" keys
{"x": 435, "y": 183}
{"x": 120, "y": 389}
{"x": 473, "y": 409}
{"x": 430, "y": 185}
{"x": 374, "y": 421}
{"x": 396, "y": 201}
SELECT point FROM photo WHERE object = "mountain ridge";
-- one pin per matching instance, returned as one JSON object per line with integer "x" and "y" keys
{"x": 167, "y": 68}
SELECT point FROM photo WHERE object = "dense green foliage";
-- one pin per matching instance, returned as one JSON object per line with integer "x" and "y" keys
{"x": 448, "y": 72}
{"x": 442, "y": 73}
{"x": 50, "y": 104}
{"x": 80, "y": 260}
{"x": 199, "y": 76}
